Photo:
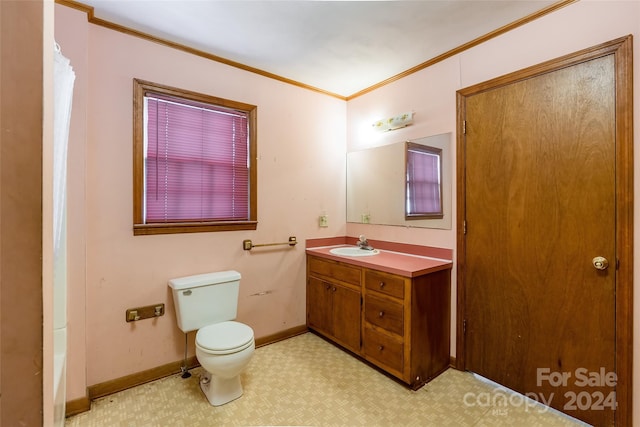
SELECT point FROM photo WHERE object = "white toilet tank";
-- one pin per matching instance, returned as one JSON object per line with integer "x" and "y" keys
{"x": 205, "y": 299}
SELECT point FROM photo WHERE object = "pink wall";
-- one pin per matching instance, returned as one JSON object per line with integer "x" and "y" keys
{"x": 431, "y": 94}
{"x": 301, "y": 175}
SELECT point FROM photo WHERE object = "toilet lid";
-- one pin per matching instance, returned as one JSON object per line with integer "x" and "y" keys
{"x": 224, "y": 336}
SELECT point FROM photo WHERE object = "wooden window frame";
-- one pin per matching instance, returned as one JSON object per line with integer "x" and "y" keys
{"x": 140, "y": 88}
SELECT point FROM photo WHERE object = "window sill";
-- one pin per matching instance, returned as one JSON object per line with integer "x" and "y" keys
{"x": 423, "y": 216}
{"x": 192, "y": 227}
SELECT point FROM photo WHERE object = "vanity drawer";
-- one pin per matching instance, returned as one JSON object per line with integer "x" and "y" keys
{"x": 385, "y": 314}
{"x": 383, "y": 349}
{"x": 334, "y": 270}
{"x": 385, "y": 283}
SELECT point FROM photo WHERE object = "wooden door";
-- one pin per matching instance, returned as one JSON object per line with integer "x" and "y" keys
{"x": 539, "y": 204}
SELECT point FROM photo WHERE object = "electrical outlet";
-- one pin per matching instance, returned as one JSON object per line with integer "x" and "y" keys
{"x": 323, "y": 221}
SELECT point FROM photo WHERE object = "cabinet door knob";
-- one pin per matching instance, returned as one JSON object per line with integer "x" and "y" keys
{"x": 381, "y": 285}
{"x": 334, "y": 289}
{"x": 380, "y": 347}
{"x": 381, "y": 314}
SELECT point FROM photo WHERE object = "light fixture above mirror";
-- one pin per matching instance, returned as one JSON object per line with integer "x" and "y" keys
{"x": 393, "y": 123}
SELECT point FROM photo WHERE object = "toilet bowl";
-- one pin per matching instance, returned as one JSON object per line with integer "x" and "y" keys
{"x": 224, "y": 350}
{"x": 208, "y": 303}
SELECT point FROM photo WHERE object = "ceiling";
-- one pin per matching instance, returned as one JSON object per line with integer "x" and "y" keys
{"x": 341, "y": 47}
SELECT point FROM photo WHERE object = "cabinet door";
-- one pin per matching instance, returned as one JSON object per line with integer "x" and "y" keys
{"x": 318, "y": 305}
{"x": 346, "y": 316}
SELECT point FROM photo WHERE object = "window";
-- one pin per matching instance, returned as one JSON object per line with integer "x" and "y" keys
{"x": 194, "y": 162}
{"x": 423, "y": 182}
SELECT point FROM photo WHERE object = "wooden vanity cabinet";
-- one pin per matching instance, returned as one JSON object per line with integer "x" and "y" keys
{"x": 406, "y": 324}
{"x": 400, "y": 324}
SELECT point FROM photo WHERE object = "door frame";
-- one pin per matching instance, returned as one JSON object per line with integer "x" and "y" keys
{"x": 621, "y": 48}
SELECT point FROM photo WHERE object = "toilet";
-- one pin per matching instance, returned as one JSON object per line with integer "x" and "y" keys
{"x": 208, "y": 303}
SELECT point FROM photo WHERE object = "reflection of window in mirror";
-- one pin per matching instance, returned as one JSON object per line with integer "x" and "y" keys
{"x": 423, "y": 197}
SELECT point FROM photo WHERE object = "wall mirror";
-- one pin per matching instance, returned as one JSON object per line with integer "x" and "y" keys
{"x": 377, "y": 184}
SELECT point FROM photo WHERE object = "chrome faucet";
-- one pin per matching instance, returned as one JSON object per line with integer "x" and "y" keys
{"x": 363, "y": 243}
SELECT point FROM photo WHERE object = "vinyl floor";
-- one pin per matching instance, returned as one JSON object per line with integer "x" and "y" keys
{"x": 306, "y": 381}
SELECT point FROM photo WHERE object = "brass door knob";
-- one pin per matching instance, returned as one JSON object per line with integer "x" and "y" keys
{"x": 600, "y": 263}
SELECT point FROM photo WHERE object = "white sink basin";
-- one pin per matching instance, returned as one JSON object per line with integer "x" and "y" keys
{"x": 353, "y": 251}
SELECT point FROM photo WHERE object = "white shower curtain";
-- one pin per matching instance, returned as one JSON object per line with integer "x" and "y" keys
{"x": 63, "y": 79}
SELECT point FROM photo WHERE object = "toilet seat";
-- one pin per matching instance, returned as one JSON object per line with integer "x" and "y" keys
{"x": 224, "y": 337}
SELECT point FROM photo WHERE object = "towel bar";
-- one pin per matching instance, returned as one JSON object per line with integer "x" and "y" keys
{"x": 247, "y": 245}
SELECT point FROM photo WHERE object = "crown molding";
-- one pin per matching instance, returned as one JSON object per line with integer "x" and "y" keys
{"x": 89, "y": 10}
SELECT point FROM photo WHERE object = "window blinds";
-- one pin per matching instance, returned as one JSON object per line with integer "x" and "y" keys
{"x": 423, "y": 183}
{"x": 196, "y": 161}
